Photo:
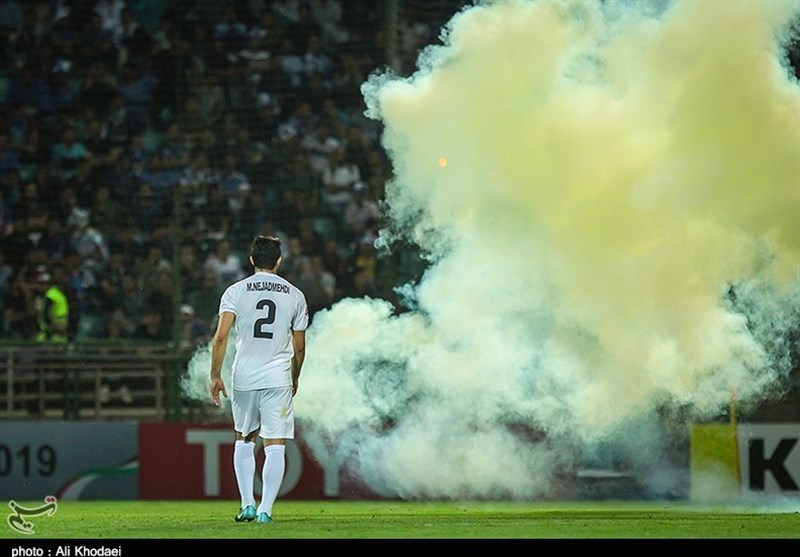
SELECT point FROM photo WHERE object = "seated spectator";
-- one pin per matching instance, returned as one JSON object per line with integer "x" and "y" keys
{"x": 194, "y": 330}
{"x": 55, "y": 240}
{"x": 231, "y": 177}
{"x": 161, "y": 297}
{"x": 86, "y": 240}
{"x": 197, "y": 125}
{"x": 19, "y": 319}
{"x": 204, "y": 298}
{"x": 211, "y": 94}
{"x": 151, "y": 327}
{"x": 148, "y": 209}
{"x": 6, "y": 217}
{"x": 174, "y": 154}
{"x": 131, "y": 305}
{"x": 316, "y": 282}
{"x": 320, "y": 145}
{"x": 28, "y": 86}
{"x": 136, "y": 85}
{"x": 328, "y": 15}
{"x": 66, "y": 86}
{"x": 23, "y": 134}
{"x": 68, "y": 153}
{"x": 97, "y": 44}
{"x": 362, "y": 212}
{"x": 9, "y": 158}
{"x": 31, "y": 209}
{"x": 135, "y": 40}
{"x": 339, "y": 179}
{"x": 230, "y": 29}
{"x": 318, "y": 62}
{"x": 224, "y": 264}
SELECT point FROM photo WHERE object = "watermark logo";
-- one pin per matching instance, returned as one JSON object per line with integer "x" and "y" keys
{"x": 18, "y": 520}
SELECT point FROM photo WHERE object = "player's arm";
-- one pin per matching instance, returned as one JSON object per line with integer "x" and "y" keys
{"x": 219, "y": 344}
{"x": 299, "y": 344}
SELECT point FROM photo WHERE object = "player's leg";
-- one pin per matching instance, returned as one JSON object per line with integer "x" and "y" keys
{"x": 244, "y": 406}
{"x": 277, "y": 425}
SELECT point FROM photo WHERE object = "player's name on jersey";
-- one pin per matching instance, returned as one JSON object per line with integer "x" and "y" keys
{"x": 268, "y": 286}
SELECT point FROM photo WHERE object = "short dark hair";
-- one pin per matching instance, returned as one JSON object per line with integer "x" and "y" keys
{"x": 265, "y": 251}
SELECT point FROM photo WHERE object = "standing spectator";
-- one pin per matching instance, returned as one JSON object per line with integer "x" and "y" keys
{"x": 52, "y": 309}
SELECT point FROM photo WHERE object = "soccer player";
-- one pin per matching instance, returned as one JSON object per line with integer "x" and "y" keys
{"x": 269, "y": 316}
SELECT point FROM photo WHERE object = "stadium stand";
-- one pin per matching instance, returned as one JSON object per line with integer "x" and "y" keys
{"x": 139, "y": 138}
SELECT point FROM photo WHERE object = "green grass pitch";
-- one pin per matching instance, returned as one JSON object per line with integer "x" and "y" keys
{"x": 294, "y": 519}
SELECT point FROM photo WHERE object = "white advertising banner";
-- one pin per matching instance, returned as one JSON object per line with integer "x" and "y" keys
{"x": 770, "y": 458}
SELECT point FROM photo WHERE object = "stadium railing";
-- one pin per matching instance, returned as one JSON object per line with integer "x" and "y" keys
{"x": 91, "y": 381}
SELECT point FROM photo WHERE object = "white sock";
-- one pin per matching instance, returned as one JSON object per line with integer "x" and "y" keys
{"x": 272, "y": 476}
{"x": 244, "y": 466}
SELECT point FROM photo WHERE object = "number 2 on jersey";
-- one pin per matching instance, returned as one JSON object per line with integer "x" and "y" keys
{"x": 258, "y": 326}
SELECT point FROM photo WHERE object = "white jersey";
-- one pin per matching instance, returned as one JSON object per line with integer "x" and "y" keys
{"x": 267, "y": 309}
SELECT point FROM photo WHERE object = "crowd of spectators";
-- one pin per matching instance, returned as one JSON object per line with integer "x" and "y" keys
{"x": 143, "y": 143}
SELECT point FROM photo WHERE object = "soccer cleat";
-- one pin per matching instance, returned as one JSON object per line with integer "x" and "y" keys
{"x": 246, "y": 514}
{"x": 263, "y": 518}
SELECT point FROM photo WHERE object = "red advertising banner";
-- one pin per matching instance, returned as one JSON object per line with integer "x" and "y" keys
{"x": 195, "y": 461}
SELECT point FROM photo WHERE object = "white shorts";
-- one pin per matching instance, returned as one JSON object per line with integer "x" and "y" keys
{"x": 271, "y": 411}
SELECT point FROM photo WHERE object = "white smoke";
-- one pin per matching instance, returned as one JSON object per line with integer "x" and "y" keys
{"x": 615, "y": 236}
